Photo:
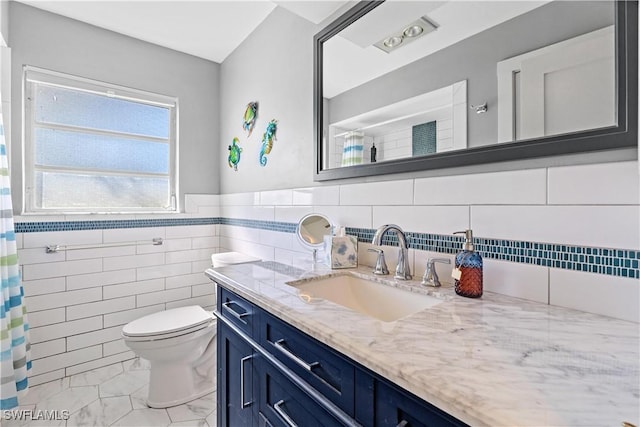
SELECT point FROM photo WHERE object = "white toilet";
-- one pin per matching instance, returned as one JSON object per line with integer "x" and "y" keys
{"x": 181, "y": 347}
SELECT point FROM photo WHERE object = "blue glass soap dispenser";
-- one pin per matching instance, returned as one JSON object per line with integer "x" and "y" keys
{"x": 467, "y": 273}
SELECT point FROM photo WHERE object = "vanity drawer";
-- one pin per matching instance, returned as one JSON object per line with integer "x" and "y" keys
{"x": 237, "y": 310}
{"x": 322, "y": 368}
{"x": 396, "y": 407}
{"x": 283, "y": 404}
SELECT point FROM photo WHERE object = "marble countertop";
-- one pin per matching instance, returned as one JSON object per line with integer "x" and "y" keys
{"x": 495, "y": 361}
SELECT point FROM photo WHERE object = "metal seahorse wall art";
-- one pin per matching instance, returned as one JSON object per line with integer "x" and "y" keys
{"x": 267, "y": 141}
{"x": 234, "y": 154}
{"x": 249, "y": 118}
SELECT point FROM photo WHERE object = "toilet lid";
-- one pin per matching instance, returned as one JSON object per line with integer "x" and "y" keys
{"x": 229, "y": 258}
{"x": 164, "y": 322}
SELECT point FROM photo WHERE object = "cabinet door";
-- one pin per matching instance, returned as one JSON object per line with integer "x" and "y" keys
{"x": 235, "y": 379}
{"x": 282, "y": 404}
{"x": 394, "y": 407}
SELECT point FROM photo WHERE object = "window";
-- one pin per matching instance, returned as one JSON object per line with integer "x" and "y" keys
{"x": 95, "y": 147}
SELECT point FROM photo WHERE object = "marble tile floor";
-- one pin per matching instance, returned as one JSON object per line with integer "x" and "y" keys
{"x": 113, "y": 395}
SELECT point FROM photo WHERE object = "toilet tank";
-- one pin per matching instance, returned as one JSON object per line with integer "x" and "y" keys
{"x": 229, "y": 258}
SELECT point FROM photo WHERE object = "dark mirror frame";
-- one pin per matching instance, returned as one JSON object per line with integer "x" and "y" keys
{"x": 624, "y": 134}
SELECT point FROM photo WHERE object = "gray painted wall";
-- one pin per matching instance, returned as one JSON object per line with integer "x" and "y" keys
{"x": 273, "y": 66}
{"x": 475, "y": 59}
{"x": 4, "y": 20}
{"x": 58, "y": 43}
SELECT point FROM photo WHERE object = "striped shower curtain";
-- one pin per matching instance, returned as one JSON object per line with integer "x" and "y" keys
{"x": 15, "y": 353}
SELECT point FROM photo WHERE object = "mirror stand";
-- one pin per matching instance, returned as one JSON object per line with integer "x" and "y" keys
{"x": 311, "y": 230}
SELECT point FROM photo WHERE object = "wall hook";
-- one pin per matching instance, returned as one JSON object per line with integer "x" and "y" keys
{"x": 479, "y": 108}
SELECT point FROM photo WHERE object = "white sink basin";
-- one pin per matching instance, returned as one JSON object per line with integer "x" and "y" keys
{"x": 373, "y": 299}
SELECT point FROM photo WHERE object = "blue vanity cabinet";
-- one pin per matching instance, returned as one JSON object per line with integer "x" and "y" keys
{"x": 380, "y": 403}
{"x": 235, "y": 371}
{"x": 235, "y": 401}
{"x": 317, "y": 364}
{"x": 238, "y": 311}
{"x": 395, "y": 407}
{"x": 282, "y": 404}
{"x": 272, "y": 374}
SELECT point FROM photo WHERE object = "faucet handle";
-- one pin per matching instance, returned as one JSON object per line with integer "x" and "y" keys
{"x": 381, "y": 265}
{"x": 430, "y": 277}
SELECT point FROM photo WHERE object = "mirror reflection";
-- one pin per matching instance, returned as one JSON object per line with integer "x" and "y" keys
{"x": 312, "y": 228}
{"x": 415, "y": 78}
{"x": 432, "y": 122}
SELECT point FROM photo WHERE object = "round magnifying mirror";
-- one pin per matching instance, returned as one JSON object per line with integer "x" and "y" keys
{"x": 311, "y": 231}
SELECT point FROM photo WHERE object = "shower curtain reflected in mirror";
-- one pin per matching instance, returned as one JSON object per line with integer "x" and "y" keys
{"x": 352, "y": 152}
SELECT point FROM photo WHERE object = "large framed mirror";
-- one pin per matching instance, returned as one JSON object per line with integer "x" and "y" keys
{"x": 403, "y": 86}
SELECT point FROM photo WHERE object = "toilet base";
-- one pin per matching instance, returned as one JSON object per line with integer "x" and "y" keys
{"x": 172, "y": 385}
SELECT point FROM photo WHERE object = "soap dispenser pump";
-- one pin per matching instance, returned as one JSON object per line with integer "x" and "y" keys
{"x": 467, "y": 273}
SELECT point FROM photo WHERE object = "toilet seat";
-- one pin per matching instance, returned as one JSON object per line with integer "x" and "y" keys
{"x": 168, "y": 324}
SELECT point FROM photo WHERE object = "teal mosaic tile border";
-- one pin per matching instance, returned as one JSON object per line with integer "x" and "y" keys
{"x": 613, "y": 262}
{"x": 608, "y": 261}
{"x": 40, "y": 226}
{"x": 285, "y": 227}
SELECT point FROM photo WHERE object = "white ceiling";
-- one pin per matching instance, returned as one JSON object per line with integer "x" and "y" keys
{"x": 209, "y": 29}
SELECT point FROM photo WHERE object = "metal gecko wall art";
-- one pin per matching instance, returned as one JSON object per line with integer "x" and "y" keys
{"x": 234, "y": 154}
{"x": 267, "y": 141}
{"x": 249, "y": 118}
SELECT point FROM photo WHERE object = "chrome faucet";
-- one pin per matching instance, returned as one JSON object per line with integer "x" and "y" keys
{"x": 381, "y": 266}
{"x": 430, "y": 277}
{"x": 403, "y": 271}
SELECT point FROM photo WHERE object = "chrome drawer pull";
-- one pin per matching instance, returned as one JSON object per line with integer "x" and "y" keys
{"x": 403, "y": 423}
{"x": 280, "y": 411}
{"x": 234, "y": 313}
{"x": 308, "y": 366}
{"x": 243, "y": 404}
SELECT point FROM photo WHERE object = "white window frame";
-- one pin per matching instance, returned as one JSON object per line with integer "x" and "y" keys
{"x": 54, "y": 78}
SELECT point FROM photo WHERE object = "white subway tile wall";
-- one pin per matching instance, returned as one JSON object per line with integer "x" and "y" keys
{"x": 601, "y": 184}
{"x": 329, "y": 195}
{"x": 122, "y": 317}
{"x": 588, "y": 225}
{"x": 517, "y": 280}
{"x": 377, "y": 193}
{"x": 527, "y": 187}
{"x": 423, "y": 219}
{"x": 587, "y": 205}
{"x": 46, "y": 317}
{"x": 204, "y": 205}
{"x": 293, "y": 213}
{"x": 394, "y": 145}
{"x": 276, "y": 197}
{"x": 78, "y": 300}
{"x": 587, "y": 292}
